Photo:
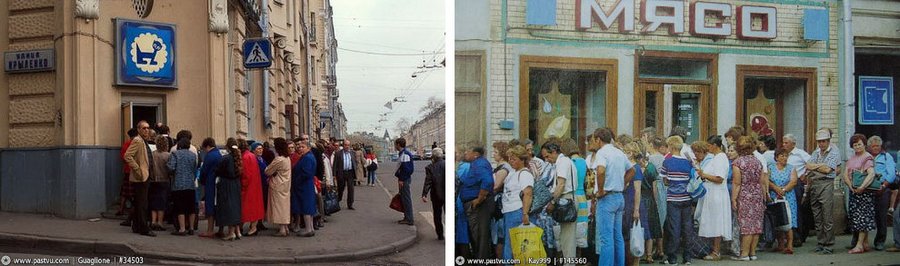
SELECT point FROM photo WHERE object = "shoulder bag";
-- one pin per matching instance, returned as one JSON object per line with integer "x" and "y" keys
{"x": 565, "y": 211}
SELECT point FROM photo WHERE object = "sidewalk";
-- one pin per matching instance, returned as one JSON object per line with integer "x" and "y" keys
{"x": 370, "y": 230}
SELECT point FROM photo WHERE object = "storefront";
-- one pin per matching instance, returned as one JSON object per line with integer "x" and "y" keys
{"x": 564, "y": 68}
{"x": 877, "y": 69}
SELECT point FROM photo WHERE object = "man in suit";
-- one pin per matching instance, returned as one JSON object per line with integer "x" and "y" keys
{"x": 434, "y": 185}
{"x": 138, "y": 159}
{"x": 344, "y": 167}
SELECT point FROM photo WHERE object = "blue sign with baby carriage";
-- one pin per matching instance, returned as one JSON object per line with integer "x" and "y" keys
{"x": 876, "y": 100}
{"x": 145, "y": 54}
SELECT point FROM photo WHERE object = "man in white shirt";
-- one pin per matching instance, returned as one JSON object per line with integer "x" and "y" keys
{"x": 798, "y": 158}
{"x": 563, "y": 193}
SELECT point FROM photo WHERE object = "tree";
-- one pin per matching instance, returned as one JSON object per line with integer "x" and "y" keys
{"x": 402, "y": 126}
{"x": 432, "y": 105}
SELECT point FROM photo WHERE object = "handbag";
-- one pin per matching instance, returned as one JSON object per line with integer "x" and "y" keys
{"x": 860, "y": 177}
{"x": 695, "y": 186}
{"x": 565, "y": 211}
{"x": 540, "y": 196}
{"x": 780, "y": 214}
{"x": 372, "y": 166}
{"x": 332, "y": 205}
{"x": 397, "y": 204}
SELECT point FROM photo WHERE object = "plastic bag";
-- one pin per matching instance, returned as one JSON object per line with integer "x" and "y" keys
{"x": 637, "y": 239}
{"x": 581, "y": 234}
{"x": 526, "y": 243}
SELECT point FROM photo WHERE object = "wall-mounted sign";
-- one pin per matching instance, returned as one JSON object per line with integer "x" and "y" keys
{"x": 657, "y": 13}
{"x": 145, "y": 54}
{"x": 29, "y": 61}
{"x": 257, "y": 53}
{"x": 876, "y": 100}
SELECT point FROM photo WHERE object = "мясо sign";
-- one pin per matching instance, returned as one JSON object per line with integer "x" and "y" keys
{"x": 145, "y": 54}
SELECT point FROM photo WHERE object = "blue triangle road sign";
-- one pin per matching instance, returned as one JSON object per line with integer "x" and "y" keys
{"x": 257, "y": 53}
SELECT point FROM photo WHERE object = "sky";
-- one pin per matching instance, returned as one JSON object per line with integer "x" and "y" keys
{"x": 366, "y": 81}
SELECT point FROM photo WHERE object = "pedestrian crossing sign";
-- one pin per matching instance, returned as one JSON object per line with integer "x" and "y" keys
{"x": 257, "y": 53}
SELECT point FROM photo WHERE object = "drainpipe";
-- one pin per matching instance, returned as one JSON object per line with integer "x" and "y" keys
{"x": 849, "y": 84}
{"x": 264, "y": 24}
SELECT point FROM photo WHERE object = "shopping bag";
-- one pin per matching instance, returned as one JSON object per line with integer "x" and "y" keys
{"x": 526, "y": 243}
{"x": 780, "y": 214}
{"x": 397, "y": 204}
{"x": 637, "y": 239}
{"x": 581, "y": 234}
{"x": 332, "y": 204}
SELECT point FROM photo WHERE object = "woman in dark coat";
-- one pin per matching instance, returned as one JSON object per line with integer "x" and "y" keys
{"x": 303, "y": 191}
{"x": 228, "y": 197}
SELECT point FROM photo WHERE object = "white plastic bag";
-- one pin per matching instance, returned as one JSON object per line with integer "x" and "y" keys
{"x": 581, "y": 237}
{"x": 637, "y": 239}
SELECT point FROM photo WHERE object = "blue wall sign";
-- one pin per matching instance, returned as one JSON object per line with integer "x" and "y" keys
{"x": 257, "y": 53}
{"x": 876, "y": 100}
{"x": 145, "y": 54}
{"x": 29, "y": 61}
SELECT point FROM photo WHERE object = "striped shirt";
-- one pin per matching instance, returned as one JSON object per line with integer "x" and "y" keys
{"x": 677, "y": 169}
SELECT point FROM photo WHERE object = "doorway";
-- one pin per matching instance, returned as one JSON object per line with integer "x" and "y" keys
{"x": 669, "y": 105}
{"x": 137, "y": 108}
{"x": 674, "y": 90}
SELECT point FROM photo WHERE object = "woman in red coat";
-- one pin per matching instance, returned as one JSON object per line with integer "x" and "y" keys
{"x": 251, "y": 189}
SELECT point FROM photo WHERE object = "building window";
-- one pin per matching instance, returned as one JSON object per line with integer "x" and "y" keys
{"x": 312, "y": 75}
{"x": 566, "y": 97}
{"x": 469, "y": 98}
{"x": 774, "y": 101}
{"x": 561, "y": 102}
{"x": 312, "y": 27}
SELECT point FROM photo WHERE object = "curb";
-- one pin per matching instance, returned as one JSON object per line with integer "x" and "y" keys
{"x": 36, "y": 242}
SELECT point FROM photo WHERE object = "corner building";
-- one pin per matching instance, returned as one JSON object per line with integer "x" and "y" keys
{"x": 115, "y": 63}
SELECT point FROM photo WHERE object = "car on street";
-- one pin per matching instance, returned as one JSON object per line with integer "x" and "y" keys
{"x": 428, "y": 155}
{"x": 394, "y": 157}
{"x": 417, "y": 157}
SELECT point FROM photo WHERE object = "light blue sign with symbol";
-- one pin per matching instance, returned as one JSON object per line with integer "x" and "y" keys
{"x": 145, "y": 54}
{"x": 257, "y": 53}
{"x": 876, "y": 100}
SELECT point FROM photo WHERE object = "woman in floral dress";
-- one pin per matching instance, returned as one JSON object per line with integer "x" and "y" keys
{"x": 783, "y": 180}
{"x": 748, "y": 199}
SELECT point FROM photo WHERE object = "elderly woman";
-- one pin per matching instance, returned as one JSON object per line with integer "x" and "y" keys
{"x": 887, "y": 168}
{"x": 184, "y": 163}
{"x": 862, "y": 201}
{"x": 748, "y": 200}
{"x": 279, "y": 211}
{"x": 783, "y": 179}
{"x": 302, "y": 183}
{"x": 517, "y": 188}
{"x": 714, "y": 207}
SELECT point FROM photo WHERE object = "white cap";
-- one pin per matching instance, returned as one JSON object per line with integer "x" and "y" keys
{"x": 823, "y": 135}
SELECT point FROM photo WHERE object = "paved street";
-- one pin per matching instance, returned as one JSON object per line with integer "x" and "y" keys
{"x": 428, "y": 250}
{"x": 355, "y": 233}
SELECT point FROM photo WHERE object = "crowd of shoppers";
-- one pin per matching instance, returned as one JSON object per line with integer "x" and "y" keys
{"x": 724, "y": 197}
{"x": 241, "y": 186}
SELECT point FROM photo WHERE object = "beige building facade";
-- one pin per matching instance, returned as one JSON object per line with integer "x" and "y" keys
{"x": 70, "y": 121}
{"x": 428, "y": 131}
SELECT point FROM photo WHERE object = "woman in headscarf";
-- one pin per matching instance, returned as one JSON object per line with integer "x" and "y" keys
{"x": 251, "y": 189}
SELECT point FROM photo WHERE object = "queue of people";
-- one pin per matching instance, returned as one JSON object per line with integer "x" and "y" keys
{"x": 725, "y": 197}
{"x": 237, "y": 188}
